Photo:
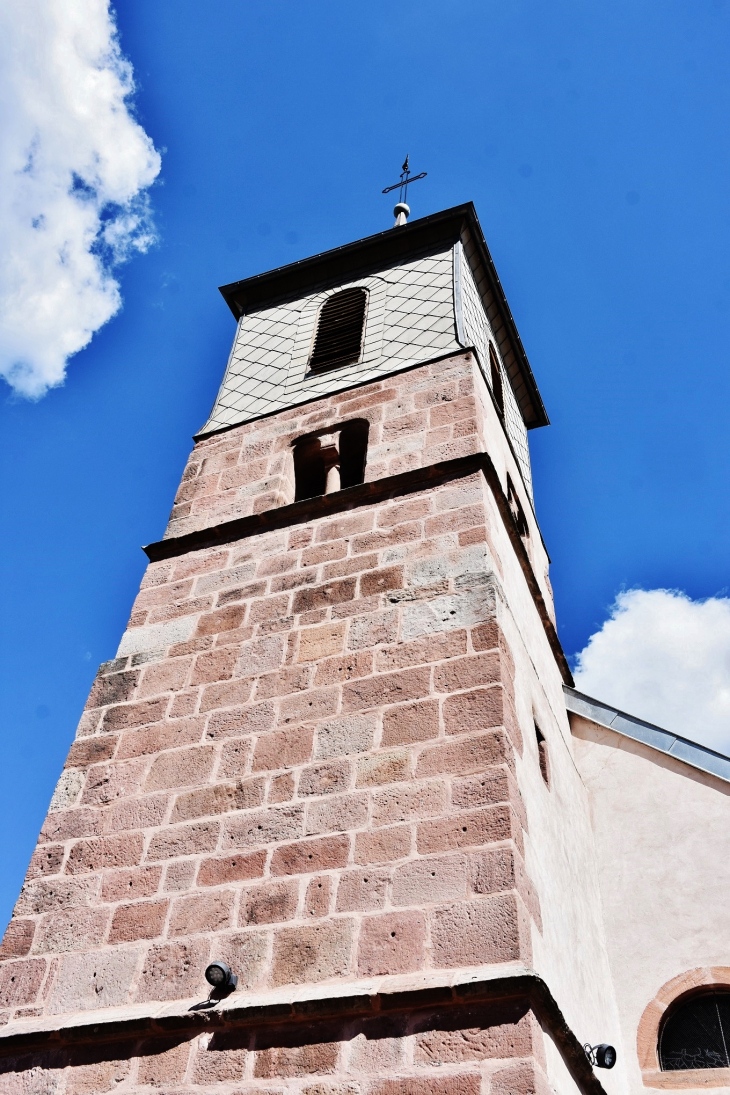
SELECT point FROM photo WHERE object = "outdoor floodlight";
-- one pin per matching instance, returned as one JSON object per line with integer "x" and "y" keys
{"x": 219, "y": 975}
{"x": 602, "y": 1056}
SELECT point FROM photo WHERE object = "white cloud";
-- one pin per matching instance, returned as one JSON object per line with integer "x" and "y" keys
{"x": 664, "y": 658}
{"x": 74, "y": 167}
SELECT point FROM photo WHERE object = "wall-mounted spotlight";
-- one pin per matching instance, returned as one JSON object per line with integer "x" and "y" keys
{"x": 219, "y": 975}
{"x": 602, "y": 1056}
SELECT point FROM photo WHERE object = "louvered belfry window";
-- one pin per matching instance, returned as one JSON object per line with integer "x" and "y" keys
{"x": 496, "y": 374}
{"x": 340, "y": 329}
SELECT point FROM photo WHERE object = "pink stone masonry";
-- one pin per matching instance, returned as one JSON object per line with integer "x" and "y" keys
{"x": 316, "y": 784}
{"x": 472, "y": 1050}
{"x": 416, "y": 418}
{"x": 312, "y": 733}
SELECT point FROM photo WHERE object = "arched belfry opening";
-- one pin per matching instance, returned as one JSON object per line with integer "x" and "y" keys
{"x": 340, "y": 329}
{"x": 331, "y": 459}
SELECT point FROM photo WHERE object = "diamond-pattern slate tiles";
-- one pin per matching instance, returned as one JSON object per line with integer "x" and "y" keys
{"x": 410, "y": 318}
{"x": 478, "y": 331}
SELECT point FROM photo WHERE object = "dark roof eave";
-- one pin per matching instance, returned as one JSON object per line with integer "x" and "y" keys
{"x": 372, "y": 251}
{"x": 540, "y": 416}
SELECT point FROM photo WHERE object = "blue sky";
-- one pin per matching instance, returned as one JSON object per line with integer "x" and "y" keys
{"x": 593, "y": 142}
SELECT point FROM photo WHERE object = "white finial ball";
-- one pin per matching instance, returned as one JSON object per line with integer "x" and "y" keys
{"x": 401, "y": 207}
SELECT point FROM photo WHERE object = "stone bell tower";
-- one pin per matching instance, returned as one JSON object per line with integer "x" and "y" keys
{"x": 332, "y": 751}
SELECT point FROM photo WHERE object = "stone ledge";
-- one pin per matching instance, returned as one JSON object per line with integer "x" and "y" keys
{"x": 365, "y": 494}
{"x": 309, "y": 509}
{"x": 395, "y": 993}
{"x": 687, "y": 1079}
{"x": 347, "y": 996}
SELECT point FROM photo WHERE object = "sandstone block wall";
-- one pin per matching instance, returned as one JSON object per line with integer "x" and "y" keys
{"x": 476, "y": 1050}
{"x": 316, "y": 783}
{"x": 416, "y": 418}
{"x": 304, "y": 761}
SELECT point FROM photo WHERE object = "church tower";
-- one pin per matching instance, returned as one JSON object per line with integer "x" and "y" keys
{"x": 332, "y": 754}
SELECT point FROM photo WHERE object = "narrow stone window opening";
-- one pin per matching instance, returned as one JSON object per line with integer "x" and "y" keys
{"x": 518, "y": 514}
{"x": 330, "y": 460}
{"x": 309, "y": 470}
{"x": 542, "y": 756}
{"x": 496, "y": 374}
{"x": 340, "y": 330}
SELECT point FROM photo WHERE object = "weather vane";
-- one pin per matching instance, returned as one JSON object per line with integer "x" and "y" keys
{"x": 401, "y": 210}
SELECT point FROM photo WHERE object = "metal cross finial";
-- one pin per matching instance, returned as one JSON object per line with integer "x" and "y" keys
{"x": 401, "y": 210}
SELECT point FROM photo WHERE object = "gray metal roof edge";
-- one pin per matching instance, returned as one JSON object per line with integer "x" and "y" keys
{"x": 390, "y": 245}
{"x": 664, "y": 741}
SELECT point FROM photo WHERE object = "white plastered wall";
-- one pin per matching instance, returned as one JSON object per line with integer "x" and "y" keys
{"x": 661, "y": 833}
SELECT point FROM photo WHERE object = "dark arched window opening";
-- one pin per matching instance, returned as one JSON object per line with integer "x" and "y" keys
{"x": 697, "y": 1033}
{"x": 340, "y": 330}
{"x": 331, "y": 459}
{"x": 310, "y": 475}
{"x": 542, "y": 753}
{"x": 496, "y": 373}
{"x": 353, "y": 451}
